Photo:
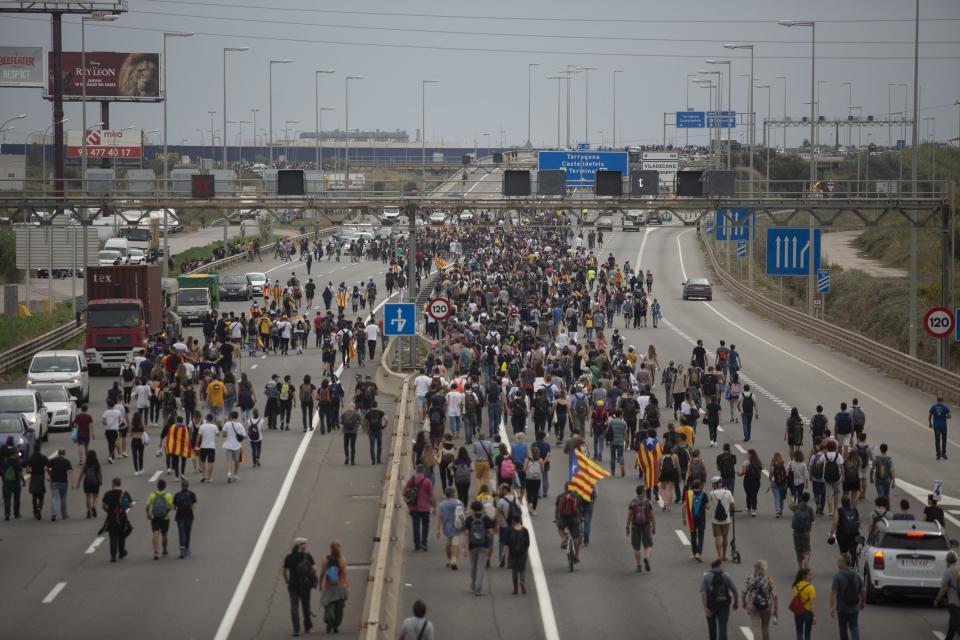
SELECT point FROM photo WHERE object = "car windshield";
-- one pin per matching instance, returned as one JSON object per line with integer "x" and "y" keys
{"x": 256, "y": 277}
{"x": 192, "y": 296}
{"x": 698, "y": 281}
{"x": 914, "y": 541}
{"x": 54, "y": 364}
{"x": 135, "y": 234}
{"x": 53, "y": 394}
{"x": 113, "y": 318}
{"x": 21, "y": 403}
{"x": 10, "y": 424}
{"x": 108, "y": 255}
{"x": 233, "y": 280}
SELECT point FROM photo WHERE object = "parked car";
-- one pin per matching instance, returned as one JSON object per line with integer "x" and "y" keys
{"x": 235, "y": 287}
{"x": 697, "y": 288}
{"x": 136, "y": 256}
{"x": 257, "y": 282}
{"x": 438, "y": 217}
{"x": 606, "y": 219}
{"x": 27, "y": 403}
{"x": 61, "y": 406}
{"x": 14, "y": 425}
{"x": 633, "y": 219}
{"x": 905, "y": 557}
{"x": 65, "y": 367}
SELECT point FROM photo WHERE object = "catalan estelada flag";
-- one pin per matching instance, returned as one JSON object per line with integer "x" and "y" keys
{"x": 440, "y": 262}
{"x": 584, "y": 474}
{"x": 648, "y": 457}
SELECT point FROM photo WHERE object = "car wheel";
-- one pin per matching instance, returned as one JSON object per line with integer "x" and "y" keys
{"x": 685, "y": 297}
{"x": 873, "y": 595}
{"x": 709, "y": 298}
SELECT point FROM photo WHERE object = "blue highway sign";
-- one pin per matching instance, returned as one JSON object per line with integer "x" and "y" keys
{"x": 691, "y": 119}
{"x": 581, "y": 166}
{"x": 727, "y": 119}
{"x": 733, "y": 224}
{"x": 788, "y": 251}
{"x": 823, "y": 280}
{"x": 741, "y": 248}
{"x": 583, "y": 146}
{"x": 399, "y": 319}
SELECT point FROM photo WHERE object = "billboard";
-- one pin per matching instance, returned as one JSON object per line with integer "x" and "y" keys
{"x": 106, "y": 144}
{"x": 581, "y": 166}
{"x": 21, "y": 67}
{"x": 109, "y": 75}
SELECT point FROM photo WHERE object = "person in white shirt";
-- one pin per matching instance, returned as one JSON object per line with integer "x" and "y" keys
{"x": 207, "y": 432}
{"x": 421, "y": 384}
{"x": 141, "y": 396}
{"x": 373, "y": 333}
{"x": 454, "y": 404}
{"x": 236, "y": 331}
{"x": 721, "y": 526}
{"x": 111, "y": 420}
{"x": 233, "y": 433}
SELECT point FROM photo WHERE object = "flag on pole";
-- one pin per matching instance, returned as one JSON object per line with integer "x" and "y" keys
{"x": 584, "y": 474}
{"x": 440, "y": 262}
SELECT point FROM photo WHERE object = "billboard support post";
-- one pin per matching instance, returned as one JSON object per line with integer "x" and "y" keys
{"x": 57, "y": 36}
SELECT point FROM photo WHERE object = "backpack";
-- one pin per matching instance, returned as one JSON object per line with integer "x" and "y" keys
{"x": 284, "y": 391}
{"x": 324, "y": 396}
{"x": 470, "y": 403}
{"x": 720, "y": 512}
{"x": 332, "y": 574}
{"x": 882, "y": 465}
{"x": 308, "y": 577}
{"x": 159, "y": 508}
{"x": 253, "y": 431}
{"x": 436, "y": 416}
{"x": 128, "y": 374}
{"x": 508, "y": 470}
{"x": 461, "y": 473}
{"x": 493, "y": 393}
{"x": 478, "y": 531}
{"x": 306, "y": 394}
{"x": 580, "y": 406}
{"x": 818, "y": 424}
{"x": 849, "y": 522}
{"x": 752, "y": 473}
{"x": 411, "y": 493}
{"x": 629, "y": 407}
{"x": 859, "y": 419}
{"x": 369, "y": 393}
{"x": 375, "y": 421}
{"x": 746, "y": 405}
{"x": 863, "y": 450}
{"x": 642, "y": 513}
{"x": 513, "y": 370}
{"x": 10, "y": 473}
{"x": 779, "y": 474}
{"x": 726, "y": 466}
{"x": 850, "y": 594}
{"x": 697, "y": 470}
{"x": 844, "y": 422}
{"x": 514, "y": 510}
{"x": 760, "y": 600}
{"x": 89, "y": 474}
{"x": 182, "y": 502}
{"x": 718, "y": 593}
{"x": 801, "y": 519}
{"x": 831, "y": 468}
{"x": 567, "y": 506}
{"x": 541, "y": 406}
{"x": 796, "y": 431}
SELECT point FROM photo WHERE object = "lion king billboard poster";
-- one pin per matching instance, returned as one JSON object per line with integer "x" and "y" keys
{"x": 110, "y": 75}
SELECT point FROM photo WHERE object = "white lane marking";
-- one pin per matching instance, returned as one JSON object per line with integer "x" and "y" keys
{"x": 721, "y": 429}
{"x": 478, "y": 182}
{"x": 156, "y": 474}
{"x": 739, "y": 448}
{"x": 93, "y": 545}
{"x": 826, "y": 373}
{"x": 547, "y": 616}
{"x": 253, "y": 366}
{"x": 256, "y": 556}
{"x": 939, "y": 635}
{"x": 683, "y": 537}
{"x": 747, "y": 633}
{"x": 263, "y": 356}
{"x": 54, "y": 593}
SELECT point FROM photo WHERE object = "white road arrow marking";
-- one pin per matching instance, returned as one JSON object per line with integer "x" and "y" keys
{"x": 778, "y": 252}
{"x": 803, "y": 252}
{"x": 793, "y": 263}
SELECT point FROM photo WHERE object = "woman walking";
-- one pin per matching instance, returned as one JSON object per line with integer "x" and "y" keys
{"x": 799, "y": 474}
{"x": 669, "y": 470}
{"x": 533, "y": 472}
{"x": 462, "y": 472}
{"x": 760, "y": 600}
{"x": 778, "y": 482}
{"x": 91, "y": 479}
{"x": 802, "y": 603}
{"x": 37, "y": 464}
{"x": 138, "y": 441}
{"x": 752, "y": 472}
{"x": 334, "y": 587}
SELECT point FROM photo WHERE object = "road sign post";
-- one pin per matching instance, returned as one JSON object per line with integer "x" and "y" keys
{"x": 788, "y": 251}
{"x": 823, "y": 280}
{"x": 938, "y": 322}
{"x": 399, "y": 319}
{"x": 741, "y": 248}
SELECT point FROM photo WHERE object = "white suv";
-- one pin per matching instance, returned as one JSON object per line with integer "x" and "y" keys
{"x": 905, "y": 557}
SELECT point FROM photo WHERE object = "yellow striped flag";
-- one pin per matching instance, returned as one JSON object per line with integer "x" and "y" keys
{"x": 440, "y": 262}
{"x": 584, "y": 474}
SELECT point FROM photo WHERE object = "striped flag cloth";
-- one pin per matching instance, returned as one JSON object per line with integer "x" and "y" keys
{"x": 440, "y": 262}
{"x": 584, "y": 474}
{"x": 648, "y": 458}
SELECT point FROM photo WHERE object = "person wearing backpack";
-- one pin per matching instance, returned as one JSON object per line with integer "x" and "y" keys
{"x": 11, "y": 472}
{"x": 450, "y": 519}
{"x": 300, "y": 574}
{"x": 518, "y": 544}
{"x": 722, "y": 515}
{"x": 641, "y": 527}
{"x": 159, "y": 505}
{"x": 748, "y": 411}
{"x": 832, "y": 475}
{"x": 950, "y": 592}
{"x": 334, "y": 588}
{"x": 858, "y": 417}
{"x": 718, "y": 594}
{"x": 418, "y": 496}
{"x": 727, "y": 467}
{"x": 843, "y": 428}
{"x": 306, "y": 392}
{"x": 846, "y": 527}
{"x": 580, "y": 411}
{"x": 802, "y": 524}
{"x": 760, "y": 600}
{"x": 478, "y": 534}
{"x": 752, "y": 472}
{"x": 882, "y": 473}
{"x": 779, "y": 481}
{"x": 184, "y": 502}
{"x": 374, "y": 423}
{"x": 793, "y": 434}
{"x": 847, "y": 599}
{"x": 695, "y": 505}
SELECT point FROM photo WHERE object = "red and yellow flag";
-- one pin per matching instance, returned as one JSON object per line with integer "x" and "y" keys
{"x": 584, "y": 474}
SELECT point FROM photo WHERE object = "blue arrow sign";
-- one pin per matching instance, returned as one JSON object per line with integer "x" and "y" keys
{"x": 399, "y": 319}
{"x": 788, "y": 251}
{"x": 738, "y": 229}
{"x": 581, "y": 166}
{"x": 741, "y": 248}
{"x": 823, "y": 280}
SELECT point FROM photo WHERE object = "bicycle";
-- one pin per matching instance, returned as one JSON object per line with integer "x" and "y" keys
{"x": 569, "y": 545}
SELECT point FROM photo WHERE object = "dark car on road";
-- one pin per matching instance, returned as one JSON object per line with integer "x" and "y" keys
{"x": 14, "y": 425}
{"x": 235, "y": 287}
{"x": 697, "y": 288}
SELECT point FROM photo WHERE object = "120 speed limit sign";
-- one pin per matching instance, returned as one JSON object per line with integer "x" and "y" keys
{"x": 938, "y": 322}
{"x": 439, "y": 308}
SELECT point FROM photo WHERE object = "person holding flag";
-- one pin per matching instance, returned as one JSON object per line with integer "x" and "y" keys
{"x": 695, "y": 503}
{"x": 649, "y": 452}
{"x": 571, "y": 504}
{"x": 342, "y": 294}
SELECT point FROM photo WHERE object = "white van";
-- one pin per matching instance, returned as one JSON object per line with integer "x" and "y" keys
{"x": 66, "y": 367}
{"x": 120, "y": 245}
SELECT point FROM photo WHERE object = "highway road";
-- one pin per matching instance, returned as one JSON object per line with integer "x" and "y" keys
{"x": 57, "y": 578}
{"x": 605, "y": 597}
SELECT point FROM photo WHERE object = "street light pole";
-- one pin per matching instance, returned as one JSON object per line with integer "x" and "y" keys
{"x": 849, "y": 108}
{"x": 163, "y": 68}
{"x": 729, "y": 107}
{"x": 753, "y": 120}
{"x": 256, "y": 149}
{"x": 717, "y": 114}
{"x": 270, "y": 102}
{"x": 558, "y": 78}
{"x": 613, "y": 136}
{"x": 586, "y": 102}
{"x": 316, "y": 97}
{"x": 423, "y": 130}
{"x": 689, "y": 75}
{"x": 784, "y": 78}
{"x": 225, "y": 50}
{"x": 346, "y": 137}
{"x": 530, "y": 66}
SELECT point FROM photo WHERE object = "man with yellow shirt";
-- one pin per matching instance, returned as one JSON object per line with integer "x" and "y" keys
{"x": 216, "y": 391}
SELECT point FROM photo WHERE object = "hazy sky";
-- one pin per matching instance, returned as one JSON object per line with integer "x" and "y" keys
{"x": 483, "y": 71}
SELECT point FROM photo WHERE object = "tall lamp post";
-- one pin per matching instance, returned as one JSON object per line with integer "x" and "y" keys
{"x": 316, "y": 115}
{"x": 709, "y": 85}
{"x": 423, "y": 130}
{"x": 213, "y": 144}
{"x": 811, "y": 275}
{"x": 320, "y": 111}
{"x": 784, "y": 78}
{"x": 729, "y": 107}
{"x": 270, "y": 102}
{"x": 752, "y": 138}
{"x": 849, "y": 86}
{"x": 558, "y": 78}
{"x": 717, "y": 114}
{"x": 225, "y": 51}
{"x": 43, "y": 137}
{"x": 253, "y": 113}
{"x": 614, "y": 134}
{"x": 346, "y": 127}
{"x": 689, "y": 75}
{"x": 766, "y": 141}
{"x": 286, "y": 138}
{"x": 530, "y": 66}
{"x": 586, "y": 102}
{"x": 163, "y": 67}
{"x": 83, "y": 101}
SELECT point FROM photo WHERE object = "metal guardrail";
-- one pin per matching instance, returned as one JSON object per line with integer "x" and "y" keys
{"x": 915, "y": 372}
{"x": 21, "y": 353}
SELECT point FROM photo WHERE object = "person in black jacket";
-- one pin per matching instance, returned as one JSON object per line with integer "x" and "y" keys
{"x": 518, "y": 543}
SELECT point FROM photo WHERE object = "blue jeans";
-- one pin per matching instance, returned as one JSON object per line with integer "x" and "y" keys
{"x": 777, "y": 498}
{"x": 421, "y": 528}
{"x": 746, "y": 419}
{"x": 494, "y": 415}
{"x": 819, "y": 495}
{"x": 468, "y": 430}
{"x": 587, "y": 520}
{"x": 376, "y": 445}
{"x": 454, "y": 422}
{"x": 598, "y": 441}
{"x": 940, "y": 441}
{"x": 58, "y": 497}
{"x": 616, "y": 453}
{"x": 696, "y": 543}
{"x": 883, "y": 488}
{"x": 717, "y": 623}
{"x": 729, "y": 484}
{"x": 804, "y": 625}
{"x": 849, "y": 625}
{"x": 184, "y": 527}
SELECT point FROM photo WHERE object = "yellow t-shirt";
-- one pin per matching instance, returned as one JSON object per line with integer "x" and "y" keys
{"x": 807, "y": 594}
{"x": 215, "y": 393}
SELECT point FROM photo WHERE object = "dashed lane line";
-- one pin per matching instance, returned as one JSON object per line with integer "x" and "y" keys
{"x": 93, "y": 545}
{"x": 684, "y": 540}
{"x": 156, "y": 474}
{"x": 54, "y": 593}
